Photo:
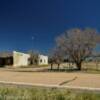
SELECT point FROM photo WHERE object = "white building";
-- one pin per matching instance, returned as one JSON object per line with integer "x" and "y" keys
{"x": 14, "y": 58}
{"x": 20, "y": 59}
{"x": 17, "y": 59}
{"x": 42, "y": 60}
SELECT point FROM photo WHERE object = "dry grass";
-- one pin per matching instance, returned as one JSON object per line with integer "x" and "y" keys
{"x": 20, "y": 93}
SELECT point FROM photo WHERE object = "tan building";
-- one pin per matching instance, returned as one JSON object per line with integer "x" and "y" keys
{"x": 14, "y": 59}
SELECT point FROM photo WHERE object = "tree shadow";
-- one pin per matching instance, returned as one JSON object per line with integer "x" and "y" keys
{"x": 45, "y": 70}
{"x": 68, "y": 81}
{"x": 64, "y": 70}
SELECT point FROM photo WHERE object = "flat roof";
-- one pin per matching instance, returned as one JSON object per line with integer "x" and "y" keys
{"x": 6, "y": 54}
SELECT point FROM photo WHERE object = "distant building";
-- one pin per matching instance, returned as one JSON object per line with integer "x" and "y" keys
{"x": 18, "y": 59}
{"x": 14, "y": 59}
{"x": 42, "y": 60}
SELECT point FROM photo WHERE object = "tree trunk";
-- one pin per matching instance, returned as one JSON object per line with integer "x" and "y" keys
{"x": 79, "y": 65}
{"x": 51, "y": 66}
{"x": 58, "y": 66}
{"x": 97, "y": 65}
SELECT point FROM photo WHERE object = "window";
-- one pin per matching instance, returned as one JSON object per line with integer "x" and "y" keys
{"x": 40, "y": 60}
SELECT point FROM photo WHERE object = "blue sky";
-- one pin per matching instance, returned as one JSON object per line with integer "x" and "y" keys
{"x": 34, "y": 24}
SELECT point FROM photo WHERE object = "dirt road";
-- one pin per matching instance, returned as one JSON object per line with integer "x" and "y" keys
{"x": 52, "y": 78}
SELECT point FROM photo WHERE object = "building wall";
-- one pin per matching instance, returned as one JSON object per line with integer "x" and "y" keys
{"x": 43, "y": 60}
{"x": 20, "y": 59}
{"x": 5, "y": 61}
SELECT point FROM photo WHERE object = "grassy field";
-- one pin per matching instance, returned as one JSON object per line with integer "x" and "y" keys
{"x": 36, "y": 93}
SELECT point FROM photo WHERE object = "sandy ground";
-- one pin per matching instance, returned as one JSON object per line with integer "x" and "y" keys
{"x": 52, "y": 78}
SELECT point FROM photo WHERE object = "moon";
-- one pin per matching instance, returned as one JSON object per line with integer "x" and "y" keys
{"x": 32, "y": 38}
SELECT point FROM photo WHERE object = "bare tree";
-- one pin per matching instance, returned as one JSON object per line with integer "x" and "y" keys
{"x": 78, "y": 44}
{"x": 51, "y": 61}
{"x": 33, "y": 57}
{"x": 56, "y": 57}
{"x": 96, "y": 59}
